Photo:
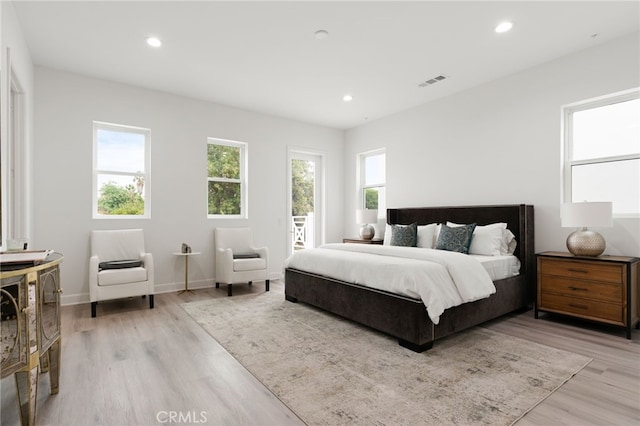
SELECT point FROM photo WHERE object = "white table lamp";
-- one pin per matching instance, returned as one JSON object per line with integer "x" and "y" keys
{"x": 584, "y": 242}
{"x": 365, "y": 218}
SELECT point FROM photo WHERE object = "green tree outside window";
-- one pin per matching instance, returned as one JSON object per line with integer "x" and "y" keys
{"x": 302, "y": 187}
{"x": 224, "y": 183}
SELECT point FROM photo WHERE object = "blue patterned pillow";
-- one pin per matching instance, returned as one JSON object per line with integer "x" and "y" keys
{"x": 455, "y": 238}
{"x": 404, "y": 235}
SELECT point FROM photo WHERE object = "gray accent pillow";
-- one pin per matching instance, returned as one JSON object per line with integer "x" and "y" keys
{"x": 246, "y": 255}
{"x": 455, "y": 238}
{"x": 404, "y": 235}
{"x": 120, "y": 264}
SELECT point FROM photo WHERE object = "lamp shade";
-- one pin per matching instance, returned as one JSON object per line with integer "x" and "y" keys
{"x": 582, "y": 215}
{"x": 366, "y": 216}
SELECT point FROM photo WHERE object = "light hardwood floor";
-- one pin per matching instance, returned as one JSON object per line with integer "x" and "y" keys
{"x": 136, "y": 366}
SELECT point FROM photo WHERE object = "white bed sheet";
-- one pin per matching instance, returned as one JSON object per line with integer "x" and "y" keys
{"x": 441, "y": 279}
{"x": 499, "y": 267}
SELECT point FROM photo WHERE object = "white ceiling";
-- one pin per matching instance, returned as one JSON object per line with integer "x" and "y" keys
{"x": 263, "y": 56}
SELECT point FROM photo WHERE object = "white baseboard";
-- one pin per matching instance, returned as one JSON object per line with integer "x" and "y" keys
{"x": 80, "y": 298}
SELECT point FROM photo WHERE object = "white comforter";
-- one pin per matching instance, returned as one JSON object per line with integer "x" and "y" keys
{"x": 441, "y": 279}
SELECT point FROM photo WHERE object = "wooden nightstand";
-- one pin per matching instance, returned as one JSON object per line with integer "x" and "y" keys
{"x": 361, "y": 241}
{"x": 603, "y": 289}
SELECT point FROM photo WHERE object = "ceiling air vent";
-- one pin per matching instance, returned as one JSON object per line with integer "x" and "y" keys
{"x": 431, "y": 81}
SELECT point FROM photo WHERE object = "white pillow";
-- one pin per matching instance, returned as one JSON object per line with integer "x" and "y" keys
{"x": 487, "y": 239}
{"x": 386, "y": 241}
{"x": 426, "y": 235}
{"x": 509, "y": 242}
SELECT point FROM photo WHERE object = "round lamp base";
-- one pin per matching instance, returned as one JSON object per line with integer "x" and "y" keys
{"x": 367, "y": 232}
{"x": 586, "y": 243}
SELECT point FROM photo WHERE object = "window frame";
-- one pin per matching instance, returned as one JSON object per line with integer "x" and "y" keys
{"x": 100, "y": 125}
{"x": 243, "y": 181}
{"x": 362, "y": 186}
{"x": 567, "y": 134}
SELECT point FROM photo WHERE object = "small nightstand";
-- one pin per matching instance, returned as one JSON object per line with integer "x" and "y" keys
{"x": 361, "y": 241}
{"x": 602, "y": 289}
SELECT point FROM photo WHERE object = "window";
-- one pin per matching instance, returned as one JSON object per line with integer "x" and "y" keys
{"x": 372, "y": 181}
{"x": 226, "y": 178}
{"x": 121, "y": 159}
{"x": 602, "y": 152}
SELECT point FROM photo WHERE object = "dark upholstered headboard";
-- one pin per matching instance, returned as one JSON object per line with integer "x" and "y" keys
{"x": 518, "y": 217}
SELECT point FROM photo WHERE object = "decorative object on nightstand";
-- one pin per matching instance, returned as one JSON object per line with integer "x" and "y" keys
{"x": 603, "y": 289}
{"x": 366, "y": 217}
{"x": 584, "y": 242}
{"x": 361, "y": 241}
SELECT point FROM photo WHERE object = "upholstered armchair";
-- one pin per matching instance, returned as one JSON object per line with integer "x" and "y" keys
{"x": 238, "y": 260}
{"x": 119, "y": 266}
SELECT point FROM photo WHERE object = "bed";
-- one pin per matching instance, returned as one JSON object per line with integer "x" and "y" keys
{"x": 406, "y": 318}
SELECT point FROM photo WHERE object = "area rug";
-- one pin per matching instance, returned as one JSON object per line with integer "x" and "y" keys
{"x": 331, "y": 371}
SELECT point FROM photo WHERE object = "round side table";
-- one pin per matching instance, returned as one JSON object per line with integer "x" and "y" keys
{"x": 186, "y": 269}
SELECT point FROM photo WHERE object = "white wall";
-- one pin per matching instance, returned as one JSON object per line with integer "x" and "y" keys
{"x": 498, "y": 143}
{"x": 67, "y": 104}
{"x": 15, "y": 47}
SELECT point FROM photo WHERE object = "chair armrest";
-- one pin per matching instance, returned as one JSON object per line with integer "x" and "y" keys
{"x": 94, "y": 261}
{"x": 224, "y": 252}
{"x": 147, "y": 260}
{"x": 224, "y": 265}
{"x": 263, "y": 252}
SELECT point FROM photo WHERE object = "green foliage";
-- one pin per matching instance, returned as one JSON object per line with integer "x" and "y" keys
{"x": 118, "y": 200}
{"x": 371, "y": 198}
{"x": 224, "y": 198}
{"x": 302, "y": 185}
{"x": 223, "y": 162}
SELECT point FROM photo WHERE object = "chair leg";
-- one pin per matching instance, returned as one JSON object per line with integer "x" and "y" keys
{"x": 93, "y": 309}
{"x": 266, "y": 285}
{"x": 217, "y": 285}
{"x": 229, "y": 290}
{"x": 250, "y": 282}
{"x": 151, "y": 301}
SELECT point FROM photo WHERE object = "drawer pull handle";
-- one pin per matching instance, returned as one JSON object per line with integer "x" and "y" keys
{"x": 582, "y": 271}
{"x": 573, "y": 305}
{"x": 578, "y": 288}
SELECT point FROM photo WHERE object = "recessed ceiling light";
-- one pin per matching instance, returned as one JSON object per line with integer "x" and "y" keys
{"x": 503, "y": 27}
{"x": 347, "y": 98}
{"x": 321, "y": 34}
{"x": 154, "y": 42}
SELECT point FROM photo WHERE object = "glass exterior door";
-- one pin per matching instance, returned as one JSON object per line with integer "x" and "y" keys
{"x": 305, "y": 201}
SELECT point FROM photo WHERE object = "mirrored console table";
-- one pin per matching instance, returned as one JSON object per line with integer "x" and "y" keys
{"x": 30, "y": 321}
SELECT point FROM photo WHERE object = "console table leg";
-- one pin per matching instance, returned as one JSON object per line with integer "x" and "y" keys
{"x": 53, "y": 354}
{"x": 27, "y": 385}
{"x": 44, "y": 363}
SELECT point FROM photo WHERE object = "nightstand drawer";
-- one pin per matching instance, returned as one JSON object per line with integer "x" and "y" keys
{"x": 585, "y": 271}
{"x": 591, "y": 309}
{"x": 583, "y": 289}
